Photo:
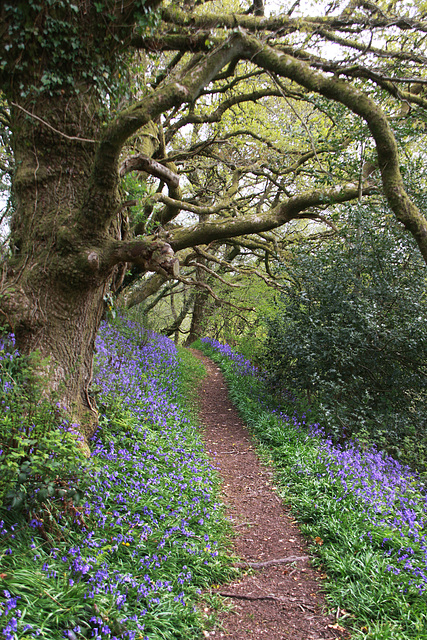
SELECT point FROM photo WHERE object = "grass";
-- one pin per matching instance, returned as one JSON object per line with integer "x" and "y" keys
{"x": 364, "y": 513}
{"x": 131, "y": 560}
{"x": 192, "y": 372}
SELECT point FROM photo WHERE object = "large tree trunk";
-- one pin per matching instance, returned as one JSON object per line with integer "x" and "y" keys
{"x": 51, "y": 296}
{"x": 67, "y": 242}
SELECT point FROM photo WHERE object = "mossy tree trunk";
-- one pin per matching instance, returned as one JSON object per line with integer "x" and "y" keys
{"x": 201, "y": 308}
{"x": 53, "y": 298}
{"x": 66, "y": 242}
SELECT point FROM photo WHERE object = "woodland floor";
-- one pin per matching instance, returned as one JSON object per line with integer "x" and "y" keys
{"x": 280, "y": 600}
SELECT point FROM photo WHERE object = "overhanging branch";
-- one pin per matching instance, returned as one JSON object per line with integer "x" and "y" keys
{"x": 248, "y": 224}
{"x": 141, "y": 162}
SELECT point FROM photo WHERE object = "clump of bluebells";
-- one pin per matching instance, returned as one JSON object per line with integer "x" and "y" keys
{"x": 129, "y": 560}
{"x": 366, "y": 512}
{"x": 241, "y": 364}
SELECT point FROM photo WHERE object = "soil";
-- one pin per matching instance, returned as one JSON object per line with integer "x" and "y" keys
{"x": 280, "y": 596}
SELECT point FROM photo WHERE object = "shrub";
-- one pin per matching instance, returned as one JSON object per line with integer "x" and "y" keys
{"x": 39, "y": 459}
{"x": 349, "y": 335}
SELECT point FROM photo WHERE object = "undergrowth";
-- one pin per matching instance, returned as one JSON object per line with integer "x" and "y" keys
{"x": 364, "y": 513}
{"x": 131, "y": 558}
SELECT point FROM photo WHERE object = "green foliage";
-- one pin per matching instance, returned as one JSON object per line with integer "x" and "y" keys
{"x": 39, "y": 457}
{"x": 240, "y": 327}
{"x": 349, "y": 335}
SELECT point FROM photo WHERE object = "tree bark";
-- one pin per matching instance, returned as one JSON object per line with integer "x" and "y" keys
{"x": 200, "y": 309}
{"x": 52, "y": 297}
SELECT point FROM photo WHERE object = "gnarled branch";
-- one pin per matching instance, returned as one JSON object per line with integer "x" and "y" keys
{"x": 141, "y": 162}
{"x": 288, "y": 210}
{"x": 151, "y": 254}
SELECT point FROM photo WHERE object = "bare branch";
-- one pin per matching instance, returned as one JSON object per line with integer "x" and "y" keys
{"x": 143, "y": 290}
{"x": 410, "y": 56}
{"x": 140, "y": 162}
{"x": 203, "y": 285}
{"x": 215, "y": 275}
{"x": 164, "y": 293}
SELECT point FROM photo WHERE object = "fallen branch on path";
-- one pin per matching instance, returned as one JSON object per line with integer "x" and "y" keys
{"x": 241, "y": 596}
{"x": 268, "y": 563}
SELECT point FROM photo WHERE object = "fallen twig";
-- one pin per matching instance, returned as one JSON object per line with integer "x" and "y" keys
{"x": 267, "y": 563}
{"x": 240, "y": 596}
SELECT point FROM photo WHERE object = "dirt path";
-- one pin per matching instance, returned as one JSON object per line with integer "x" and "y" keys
{"x": 276, "y": 601}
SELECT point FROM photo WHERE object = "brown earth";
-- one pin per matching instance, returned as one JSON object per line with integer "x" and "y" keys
{"x": 280, "y": 596}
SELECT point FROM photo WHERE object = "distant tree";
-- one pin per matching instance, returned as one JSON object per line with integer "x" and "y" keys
{"x": 179, "y": 93}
